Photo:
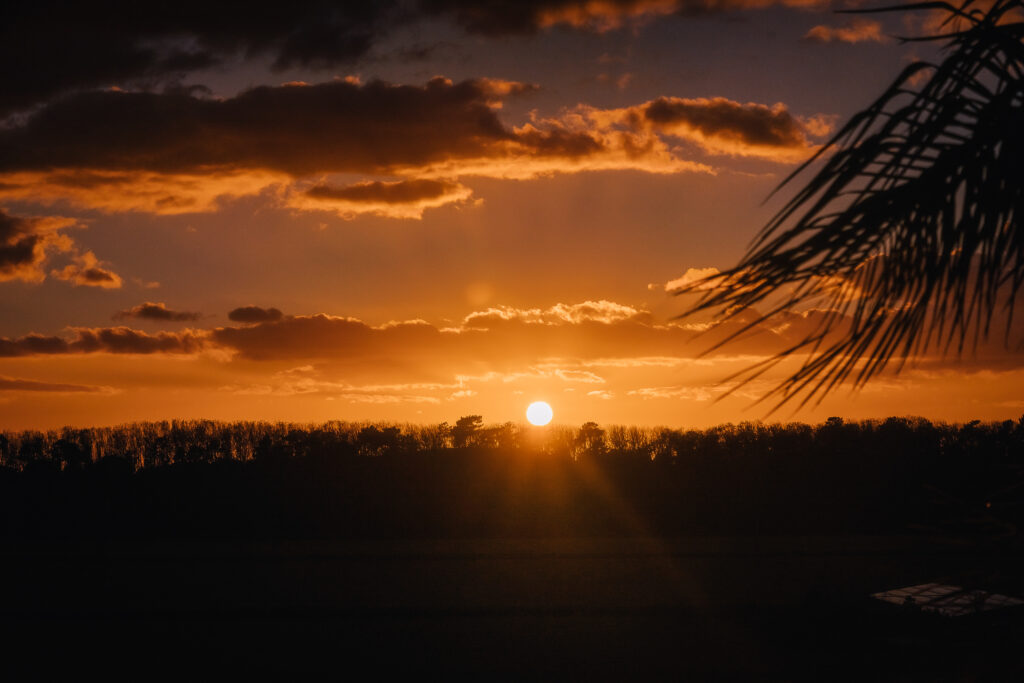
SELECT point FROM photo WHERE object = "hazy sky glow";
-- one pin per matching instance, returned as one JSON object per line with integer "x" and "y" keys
{"x": 420, "y": 210}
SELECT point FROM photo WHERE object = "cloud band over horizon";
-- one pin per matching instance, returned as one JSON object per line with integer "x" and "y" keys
{"x": 180, "y": 152}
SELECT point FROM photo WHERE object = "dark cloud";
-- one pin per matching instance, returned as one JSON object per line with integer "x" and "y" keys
{"x": 254, "y": 314}
{"x": 510, "y": 337}
{"x": 421, "y": 52}
{"x": 399, "y": 199}
{"x": 126, "y": 340}
{"x": 719, "y": 126}
{"x": 496, "y": 336}
{"x": 506, "y": 17}
{"x": 560, "y": 142}
{"x": 155, "y": 311}
{"x": 401, "y": 192}
{"x": 509, "y": 17}
{"x": 50, "y": 47}
{"x": 748, "y": 124}
{"x": 32, "y": 345}
{"x": 96, "y": 277}
{"x": 121, "y": 340}
{"x": 312, "y": 337}
{"x": 15, "y": 384}
{"x": 337, "y": 126}
{"x": 21, "y": 248}
{"x": 181, "y": 152}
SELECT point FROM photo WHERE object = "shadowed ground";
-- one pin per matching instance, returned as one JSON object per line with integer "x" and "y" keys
{"x": 778, "y": 608}
{"x": 750, "y": 556}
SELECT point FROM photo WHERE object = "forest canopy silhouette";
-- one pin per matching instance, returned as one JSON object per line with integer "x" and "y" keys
{"x": 337, "y": 479}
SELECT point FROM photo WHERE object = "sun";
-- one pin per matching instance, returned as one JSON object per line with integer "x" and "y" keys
{"x": 539, "y": 413}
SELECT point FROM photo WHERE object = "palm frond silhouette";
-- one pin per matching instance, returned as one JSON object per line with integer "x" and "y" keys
{"x": 909, "y": 235}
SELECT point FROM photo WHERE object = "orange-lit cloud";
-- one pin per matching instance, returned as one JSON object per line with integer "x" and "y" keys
{"x": 603, "y": 15}
{"x": 413, "y": 145}
{"x": 559, "y": 314}
{"x": 821, "y": 293}
{"x": 689, "y": 279}
{"x": 698, "y": 393}
{"x": 723, "y": 126}
{"x": 87, "y": 271}
{"x": 939, "y": 21}
{"x": 589, "y": 330}
{"x": 27, "y": 243}
{"x": 570, "y": 342}
{"x": 857, "y": 31}
{"x": 306, "y": 380}
{"x": 139, "y": 190}
{"x": 397, "y": 199}
{"x": 615, "y": 357}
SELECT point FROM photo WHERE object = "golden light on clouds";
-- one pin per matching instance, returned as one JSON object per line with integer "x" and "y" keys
{"x": 618, "y": 362}
{"x": 409, "y": 148}
{"x": 525, "y": 190}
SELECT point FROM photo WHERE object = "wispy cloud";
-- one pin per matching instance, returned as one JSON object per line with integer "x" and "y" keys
{"x": 857, "y": 31}
{"x": 15, "y": 384}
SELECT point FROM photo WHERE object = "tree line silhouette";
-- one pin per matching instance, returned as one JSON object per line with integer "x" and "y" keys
{"x": 219, "y": 479}
{"x": 154, "y": 444}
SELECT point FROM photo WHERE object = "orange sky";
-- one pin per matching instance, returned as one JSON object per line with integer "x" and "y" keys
{"x": 421, "y": 211}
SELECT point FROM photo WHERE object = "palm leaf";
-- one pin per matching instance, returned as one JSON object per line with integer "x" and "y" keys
{"x": 909, "y": 233}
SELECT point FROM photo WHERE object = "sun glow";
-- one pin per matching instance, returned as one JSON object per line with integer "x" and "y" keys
{"x": 539, "y": 413}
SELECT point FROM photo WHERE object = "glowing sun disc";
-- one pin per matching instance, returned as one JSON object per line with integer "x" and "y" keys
{"x": 539, "y": 413}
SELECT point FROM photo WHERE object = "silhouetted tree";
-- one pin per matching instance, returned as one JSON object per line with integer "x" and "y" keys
{"x": 371, "y": 440}
{"x": 505, "y": 436}
{"x": 910, "y": 233}
{"x": 465, "y": 430}
{"x": 70, "y": 454}
{"x": 590, "y": 440}
{"x": 435, "y": 437}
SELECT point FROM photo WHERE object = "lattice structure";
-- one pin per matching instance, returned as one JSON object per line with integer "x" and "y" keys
{"x": 950, "y": 601}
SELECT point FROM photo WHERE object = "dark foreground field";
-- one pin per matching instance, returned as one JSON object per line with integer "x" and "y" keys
{"x": 514, "y": 563}
{"x": 695, "y": 609}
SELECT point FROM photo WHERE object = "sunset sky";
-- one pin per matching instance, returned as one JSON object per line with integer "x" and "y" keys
{"x": 414, "y": 211}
